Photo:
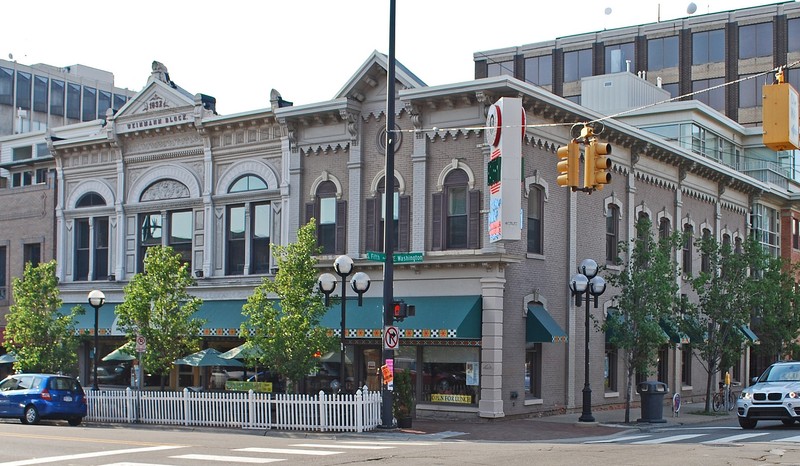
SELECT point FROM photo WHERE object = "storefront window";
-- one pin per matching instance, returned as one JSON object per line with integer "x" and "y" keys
{"x": 450, "y": 375}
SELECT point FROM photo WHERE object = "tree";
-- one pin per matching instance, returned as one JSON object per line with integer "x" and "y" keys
{"x": 158, "y": 306}
{"x": 646, "y": 294}
{"x": 714, "y": 323}
{"x": 286, "y": 330}
{"x": 43, "y": 339}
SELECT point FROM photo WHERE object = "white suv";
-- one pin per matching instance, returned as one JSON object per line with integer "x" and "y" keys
{"x": 775, "y": 396}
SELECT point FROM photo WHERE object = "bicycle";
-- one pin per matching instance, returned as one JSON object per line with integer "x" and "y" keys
{"x": 718, "y": 402}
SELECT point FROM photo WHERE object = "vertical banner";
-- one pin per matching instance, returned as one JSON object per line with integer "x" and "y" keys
{"x": 505, "y": 129}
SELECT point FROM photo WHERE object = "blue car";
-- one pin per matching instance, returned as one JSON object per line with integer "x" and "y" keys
{"x": 33, "y": 397}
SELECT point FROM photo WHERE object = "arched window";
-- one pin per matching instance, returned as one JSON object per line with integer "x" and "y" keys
{"x": 90, "y": 242}
{"x": 688, "y": 240}
{"x": 376, "y": 215}
{"x": 612, "y": 234}
{"x": 664, "y": 228}
{"x": 247, "y": 183}
{"x": 535, "y": 218}
{"x": 456, "y": 214}
{"x": 705, "y": 258}
{"x": 331, "y": 217}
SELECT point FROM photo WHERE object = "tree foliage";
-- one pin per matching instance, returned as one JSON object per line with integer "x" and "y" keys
{"x": 43, "y": 339}
{"x": 646, "y": 292}
{"x": 723, "y": 290}
{"x": 158, "y": 306}
{"x": 283, "y": 314}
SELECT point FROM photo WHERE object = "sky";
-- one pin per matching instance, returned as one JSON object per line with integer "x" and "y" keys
{"x": 239, "y": 50}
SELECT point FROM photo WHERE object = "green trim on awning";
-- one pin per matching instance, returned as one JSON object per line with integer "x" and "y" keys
{"x": 749, "y": 334}
{"x": 541, "y": 328}
{"x": 84, "y": 324}
{"x": 673, "y": 333}
{"x": 440, "y": 317}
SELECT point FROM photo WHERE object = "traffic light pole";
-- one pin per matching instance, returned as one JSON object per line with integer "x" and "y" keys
{"x": 388, "y": 233}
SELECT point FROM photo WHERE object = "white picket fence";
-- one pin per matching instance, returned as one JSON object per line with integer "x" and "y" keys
{"x": 247, "y": 410}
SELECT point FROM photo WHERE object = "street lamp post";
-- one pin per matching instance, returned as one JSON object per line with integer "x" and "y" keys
{"x": 96, "y": 300}
{"x": 586, "y": 281}
{"x": 343, "y": 266}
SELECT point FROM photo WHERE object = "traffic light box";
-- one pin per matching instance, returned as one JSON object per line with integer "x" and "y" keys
{"x": 597, "y": 165}
{"x": 401, "y": 310}
{"x": 568, "y": 164}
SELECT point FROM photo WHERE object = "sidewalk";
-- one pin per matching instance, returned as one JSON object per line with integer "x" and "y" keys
{"x": 607, "y": 422}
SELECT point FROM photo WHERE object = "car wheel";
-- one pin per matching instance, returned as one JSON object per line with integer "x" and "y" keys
{"x": 31, "y": 415}
{"x": 75, "y": 421}
{"x": 787, "y": 422}
{"x": 747, "y": 423}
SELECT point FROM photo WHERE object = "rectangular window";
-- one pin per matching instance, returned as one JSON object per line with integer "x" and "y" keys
{"x": 705, "y": 259}
{"x": 501, "y": 68}
{"x": 22, "y": 153}
{"x": 533, "y": 371}
{"x": 180, "y": 234}
{"x": 101, "y": 248}
{"x": 395, "y": 214}
{"x": 796, "y": 233}
{"x": 715, "y": 97}
{"x": 445, "y": 375}
{"x": 119, "y": 101}
{"x": 23, "y": 90}
{"x": 755, "y": 40}
{"x": 765, "y": 223}
{"x": 793, "y": 35}
{"x": 327, "y": 224}
{"x": 73, "y": 101}
{"x": 150, "y": 234}
{"x": 41, "y": 176}
{"x": 612, "y": 234}
{"x": 686, "y": 365}
{"x": 40, "y": 85}
{"x": 672, "y": 88}
{"x": 539, "y": 70}
{"x": 610, "y": 369}
{"x": 617, "y": 57}
{"x": 751, "y": 91}
{"x": 42, "y": 150}
{"x": 236, "y": 246}
{"x": 6, "y": 86}
{"x": 577, "y": 65}
{"x": 56, "y": 97}
{"x": 103, "y": 103}
{"x": 708, "y": 47}
{"x": 89, "y": 104}
{"x": 32, "y": 252}
{"x": 260, "y": 232}
{"x": 535, "y": 221}
{"x": 457, "y": 217}
{"x": 3, "y": 275}
{"x": 81, "y": 272}
{"x": 662, "y": 53}
{"x": 688, "y": 239}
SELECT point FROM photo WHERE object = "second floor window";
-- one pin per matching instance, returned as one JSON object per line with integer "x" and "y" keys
{"x": 91, "y": 249}
{"x": 708, "y": 47}
{"x": 248, "y": 238}
{"x": 331, "y": 216}
{"x": 688, "y": 239}
{"x": 535, "y": 216}
{"x": 150, "y": 234}
{"x": 664, "y": 228}
{"x": 705, "y": 258}
{"x": 755, "y": 40}
{"x": 539, "y": 70}
{"x": 612, "y": 234}
{"x": 617, "y": 57}
{"x": 376, "y": 220}
{"x": 456, "y": 214}
{"x": 180, "y": 234}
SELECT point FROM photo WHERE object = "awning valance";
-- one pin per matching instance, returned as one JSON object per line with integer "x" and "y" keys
{"x": 541, "y": 328}
{"x": 749, "y": 334}
{"x": 671, "y": 329}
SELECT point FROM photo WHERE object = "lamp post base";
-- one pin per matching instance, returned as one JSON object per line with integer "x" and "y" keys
{"x": 586, "y": 415}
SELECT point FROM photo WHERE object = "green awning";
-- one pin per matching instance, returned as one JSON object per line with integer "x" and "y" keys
{"x": 749, "y": 334}
{"x": 673, "y": 333}
{"x": 106, "y": 318}
{"x": 541, "y": 328}
{"x": 439, "y": 317}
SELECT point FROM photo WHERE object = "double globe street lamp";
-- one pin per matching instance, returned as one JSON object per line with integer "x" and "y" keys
{"x": 587, "y": 282}
{"x": 343, "y": 266}
{"x": 96, "y": 300}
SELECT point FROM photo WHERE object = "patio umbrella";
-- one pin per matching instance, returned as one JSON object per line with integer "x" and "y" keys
{"x": 123, "y": 353}
{"x": 244, "y": 351}
{"x": 335, "y": 357}
{"x": 207, "y": 357}
{"x": 8, "y": 358}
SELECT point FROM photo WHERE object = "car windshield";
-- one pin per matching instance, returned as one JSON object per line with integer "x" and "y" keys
{"x": 781, "y": 373}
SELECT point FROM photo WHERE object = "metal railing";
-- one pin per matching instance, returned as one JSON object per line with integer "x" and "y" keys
{"x": 247, "y": 410}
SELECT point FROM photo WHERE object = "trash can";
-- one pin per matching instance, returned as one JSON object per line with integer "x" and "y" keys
{"x": 652, "y": 393}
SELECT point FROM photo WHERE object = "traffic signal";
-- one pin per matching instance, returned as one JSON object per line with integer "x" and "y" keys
{"x": 596, "y": 166}
{"x": 568, "y": 164}
{"x": 401, "y": 310}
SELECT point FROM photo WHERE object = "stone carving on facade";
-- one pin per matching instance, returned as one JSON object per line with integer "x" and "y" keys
{"x": 166, "y": 189}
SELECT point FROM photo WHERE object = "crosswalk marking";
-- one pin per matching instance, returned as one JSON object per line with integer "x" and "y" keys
{"x": 398, "y": 443}
{"x": 289, "y": 451}
{"x": 736, "y": 438}
{"x": 228, "y": 459}
{"x": 338, "y": 445}
{"x": 618, "y": 439}
{"x": 674, "y": 438}
{"x": 788, "y": 439}
{"x": 95, "y": 454}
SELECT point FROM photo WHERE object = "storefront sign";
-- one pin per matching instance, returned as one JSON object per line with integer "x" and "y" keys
{"x": 443, "y": 398}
